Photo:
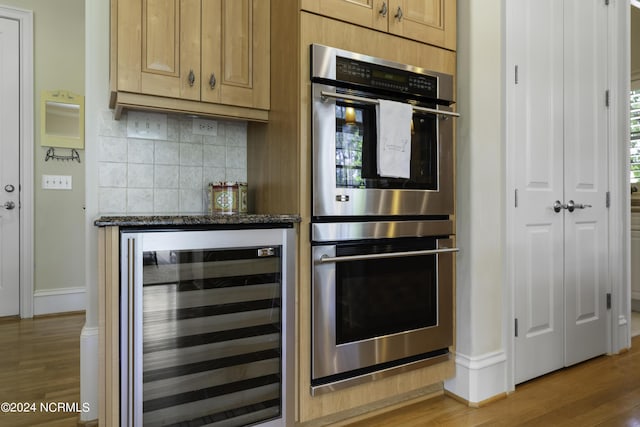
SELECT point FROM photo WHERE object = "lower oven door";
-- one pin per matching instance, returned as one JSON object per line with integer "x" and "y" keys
{"x": 378, "y": 304}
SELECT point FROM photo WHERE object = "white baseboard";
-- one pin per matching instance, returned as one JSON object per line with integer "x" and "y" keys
{"x": 479, "y": 378}
{"x": 58, "y": 300}
{"x": 89, "y": 357}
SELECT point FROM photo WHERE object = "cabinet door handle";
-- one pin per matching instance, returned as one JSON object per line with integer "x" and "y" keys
{"x": 383, "y": 10}
{"x": 398, "y": 14}
{"x": 192, "y": 78}
{"x": 212, "y": 80}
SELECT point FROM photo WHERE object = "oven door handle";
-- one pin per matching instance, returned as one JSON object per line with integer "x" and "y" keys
{"x": 345, "y": 97}
{"x": 327, "y": 259}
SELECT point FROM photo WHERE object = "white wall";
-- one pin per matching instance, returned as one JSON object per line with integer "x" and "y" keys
{"x": 97, "y": 97}
{"x": 480, "y": 202}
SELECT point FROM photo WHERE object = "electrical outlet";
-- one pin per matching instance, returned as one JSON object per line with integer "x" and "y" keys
{"x": 57, "y": 182}
{"x": 146, "y": 125}
{"x": 205, "y": 127}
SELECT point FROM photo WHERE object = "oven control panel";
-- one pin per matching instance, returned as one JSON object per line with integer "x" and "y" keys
{"x": 386, "y": 78}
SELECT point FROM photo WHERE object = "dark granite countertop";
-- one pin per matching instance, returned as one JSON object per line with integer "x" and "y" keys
{"x": 194, "y": 220}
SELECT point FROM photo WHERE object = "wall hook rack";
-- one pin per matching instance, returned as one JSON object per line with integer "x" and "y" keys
{"x": 51, "y": 154}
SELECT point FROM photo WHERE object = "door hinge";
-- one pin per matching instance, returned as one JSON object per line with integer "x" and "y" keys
{"x": 516, "y": 75}
{"x": 608, "y": 199}
{"x": 608, "y": 301}
{"x": 606, "y": 98}
{"x": 516, "y": 326}
{"x": 515, "y": 198}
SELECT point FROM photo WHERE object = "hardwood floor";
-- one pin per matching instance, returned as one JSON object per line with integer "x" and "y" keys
{"x": 40, "y": 364}
{"x": 601, "y": 392}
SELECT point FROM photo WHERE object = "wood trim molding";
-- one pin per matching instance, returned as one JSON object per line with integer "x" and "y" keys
{"x": 121, "y": 101}
{"x": 372, "y": 410}
{"x": 90, "y": 423}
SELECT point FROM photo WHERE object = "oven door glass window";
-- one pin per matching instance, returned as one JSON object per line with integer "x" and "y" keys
{"x": 355, "y": 128}
{"x": 383, "y": 296}
{"x": 356, "y": 158}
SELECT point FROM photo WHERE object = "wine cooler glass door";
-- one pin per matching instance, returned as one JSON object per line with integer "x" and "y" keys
{"x": 205, "y": 333}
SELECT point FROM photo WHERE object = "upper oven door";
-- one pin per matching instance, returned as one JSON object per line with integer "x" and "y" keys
{"x": 345, "y": 178}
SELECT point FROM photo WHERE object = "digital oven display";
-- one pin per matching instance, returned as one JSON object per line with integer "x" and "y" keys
{"x": 378, "y": 76}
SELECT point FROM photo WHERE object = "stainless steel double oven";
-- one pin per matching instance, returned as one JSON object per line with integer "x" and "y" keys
{"x": 382, "y": 246}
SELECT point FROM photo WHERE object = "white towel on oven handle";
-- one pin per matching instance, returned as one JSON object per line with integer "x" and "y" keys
{"x": 394, "y": 138}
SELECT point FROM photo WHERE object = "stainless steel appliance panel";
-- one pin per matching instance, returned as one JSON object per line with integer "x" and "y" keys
{"x": 323, "y": 65}
{"x": 329, "y": 200}
{"x": 207, "y": 327}
{"x": 342, "y": 231}
{"x": 352, "y": 187}
{"x": 331, "y": 357}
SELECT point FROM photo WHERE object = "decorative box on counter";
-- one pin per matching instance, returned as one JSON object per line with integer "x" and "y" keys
{"x": 227, "y": 198}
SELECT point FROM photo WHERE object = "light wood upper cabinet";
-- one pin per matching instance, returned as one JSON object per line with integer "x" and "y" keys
{"x": 206, "y": 57}
{"x": 367, "y": 13}
{"x": 431, "y": 21}
{"x": 235, "y": 52}
{"x": 427, "y": 21}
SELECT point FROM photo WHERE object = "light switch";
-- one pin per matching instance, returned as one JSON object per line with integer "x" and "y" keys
{"x": 57, "y": 182}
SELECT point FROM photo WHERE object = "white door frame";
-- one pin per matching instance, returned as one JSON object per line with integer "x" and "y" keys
{"x": 619, "y": 211}
{"x": 25, "y": 20}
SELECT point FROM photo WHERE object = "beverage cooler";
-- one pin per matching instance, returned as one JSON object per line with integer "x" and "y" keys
{"x": 207, "y": 327}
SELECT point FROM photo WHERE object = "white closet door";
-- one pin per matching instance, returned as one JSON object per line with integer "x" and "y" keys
{"x": 558, "y": 125}
{"x": 536, "y": 115}
{"x": 585, "y": 176}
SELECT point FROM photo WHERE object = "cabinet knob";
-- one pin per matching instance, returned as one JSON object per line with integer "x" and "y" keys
{"x": 212, "y": 80}
{"x": 192, "y": 78}
{"x": 398, "y": 14}
{"x": 383, "y": 10}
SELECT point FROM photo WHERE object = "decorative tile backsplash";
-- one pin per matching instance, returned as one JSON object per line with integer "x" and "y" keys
{"x": 152, "y": 176}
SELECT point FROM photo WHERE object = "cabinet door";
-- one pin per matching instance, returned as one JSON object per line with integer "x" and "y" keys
{"x": 158, "y": 47}
{"x": 236, "y": 52}
{"x": 427, "y": 21}
{"x": 367, "y": 13}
